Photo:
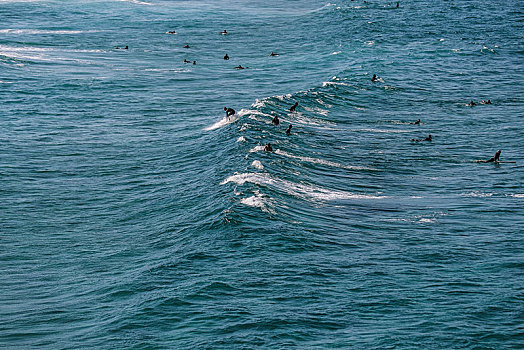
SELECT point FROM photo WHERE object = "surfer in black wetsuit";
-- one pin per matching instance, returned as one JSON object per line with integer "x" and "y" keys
{"x": 122, "y": 48}
{"x": 416, "y": 122}
{"x": 186, "y": 46}
{"x": 224, "y": 32}
{"x": 292, "y": 108}
{"x": 275, "y": 120}
{"x": 229, "y": 112}
{"x": 471, "y": 103}
{"x": 429, "y": 138}
{"x": 288, "y": 131}
{"x": 226, "y": 57}
{"x": 186, "y": 61}
{"x": 172, "y": 32}
{"x": 240, "y": 67}
{"x": 488, "y": 102}
{"x": 268, "y": 148}
{"x": 493, "y": 159}
{"x": 374, "y": 78}
{"x": 194, "y": 62}
{"x": 398, "y": 4}
{"x": 274, "y": 54}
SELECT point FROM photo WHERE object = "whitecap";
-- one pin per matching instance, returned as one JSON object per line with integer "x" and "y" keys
{"x": 241, "y": 139}
{"x": 320, "y": 161}
{"x": 257, "y": 164}
{"x": 390, "y": 131}
{"x": 298, "y": 190}
{"x": 256, "y": 149}
{"x": 223, "y": 122}
{"x": 43, "y": 31}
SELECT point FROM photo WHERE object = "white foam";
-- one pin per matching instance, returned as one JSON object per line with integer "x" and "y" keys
{"x": 327, "y": 83}
{"x": 294, "y": 189}
{"x": 389, "y": 131}
{"x": 518, "y": 195}
{"x": 138, "y": 2}
{"x": 256, "y": 149}
{"x": 222, "y": 122}
{"x": 241, "y": 139}
{"x": 45, "y": 31}
{"x": 320, "y": 161}
{"x": 336, "y": 52}
{"x": 257, "y": 164}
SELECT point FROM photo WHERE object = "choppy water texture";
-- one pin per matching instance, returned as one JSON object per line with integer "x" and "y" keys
{"x": 132, "y": 215}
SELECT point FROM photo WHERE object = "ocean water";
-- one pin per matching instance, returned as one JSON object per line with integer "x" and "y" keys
{"x": 133, "y": 215}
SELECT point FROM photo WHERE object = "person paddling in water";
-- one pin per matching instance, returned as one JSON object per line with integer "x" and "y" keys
{"x": 275, "y": 120}
{"x": 374, "y": 78}
{"x": 494, "y": 159}
{"x": 292, "y": 108}
{"x": 229, "y": 112}
{"x": 226, "y": 57}
{"x": 416, "y": 122}
{"x": 288, "y": 131}
{"x": 429, "y": 138}
{"x": 268, "y": 148}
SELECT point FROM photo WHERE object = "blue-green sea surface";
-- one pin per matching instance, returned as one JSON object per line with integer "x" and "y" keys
{"x": 134, "y": 215}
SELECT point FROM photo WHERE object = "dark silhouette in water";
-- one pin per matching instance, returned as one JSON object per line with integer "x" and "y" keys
{"x": 229, "y": 112}
{"x": 186, "y": 47}
{"x": 275, "y": 120}
{"x": 274, "y": 54}
{"x": 268, "y": 148}
{"x": 292, "y": 108}
{"x": 493, "y": 159}
{"x": 471, "y": 103}
{"x": 374, "y": 78}
{"x": 416, "y": 122}
{"x": 288, "y": 131}
{"x": 226, "y": 57}
{"x": 194, "y": 62}
{"x": 171, "y": 32}
{"x": 398, "y": 4}
{"x": 224, "y": 32}
{"x": 186, "y": 61}
{"x": 240, "y": 67}
{"x": 429, "y": 138}
{"x": 488, "y": 102}
{"x": 122, "y": 48}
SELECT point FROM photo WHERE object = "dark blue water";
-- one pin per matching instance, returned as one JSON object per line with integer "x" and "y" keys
{"x": 134, "y": 215}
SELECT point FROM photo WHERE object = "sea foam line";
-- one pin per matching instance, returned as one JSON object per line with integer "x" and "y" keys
{"x": 321, "y": 161}
{"x": 294, "y": 189}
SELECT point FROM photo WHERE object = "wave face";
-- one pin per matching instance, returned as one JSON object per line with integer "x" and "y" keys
{"x": 133, "y": 214}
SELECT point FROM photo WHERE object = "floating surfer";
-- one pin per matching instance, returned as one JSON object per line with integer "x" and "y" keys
{"x": 172, "y": 32}
{"x": 374, "y": 78}
{"x": 494, "y": 159}
{"x": 288, "y": 131}
{"x": 268, "y": 148}
{"x": 417, "y": 122}
{"x": 186, "y": 61}
{"x": 229, "y": 112}
{"x": 122, "y": 48}
{"x": 429, "y": 138}
{"x": 224, "y": 32}
{"x": 186, "y": 46}
{"x": 226, "y": 57}
{"x": 275, "y": 120}
{"x": 292, "y": 108}
{"x": 488, "y": 102}
{"x": 240, "y": 67}
{"x": 471, "y": 103}
{"x": 273, "y": 54}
